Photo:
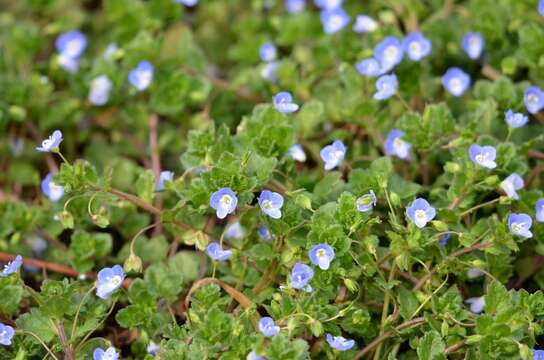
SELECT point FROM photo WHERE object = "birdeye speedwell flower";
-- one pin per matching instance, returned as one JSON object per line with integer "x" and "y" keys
{"x": 322, "y": 255}
{"x": 420, "y": 212}
{"x": 141, "y": 76}
{"x": 108, "y": 354}
{"x": 109, "y": 280}
{"x": 271, "y": 203}
{"x": 386, "y": 86}
{"x": 456, "y": 81}
{"x": 217, "y": 253}
{"x": 268, "y": 52}
{"x": 99, "y": 92}
{"x": 364, "y": 24}
{"x": 533, "y": 99}
{"x": 12, "y": 266}
{"x": 301, "y": 274}
{"x": 224, "y": 202}
{"x": 368, "y": 67}
{"x": 333, "y": 154}
{"x": 389, "y": 53}
{"x": 164, "y": 176}
{"x": 283, "y": 102}
{"x": 52, "y": 143}
{"x": 234, "y": 231}
{"x": 51, "y": 190}
{"x": 294, "y": 6}
{"x": 539, "y": 210}
{"x": 340, "y": 342}
{"x": 6, "y": 334}
{"x": 520, "y": 224}
{"x": 267, "y": 326}
{"x": 297, "y": 153}
{"x": 334, "y": 20}
{"x": 395, "y": 146}
{"x": 476, "y": 304}
{"x": 515, "y": 120}
{"x": 511, "y": 184}
{"x": 473, "y": 44}
{"x": 483, "y": 156}
{"x": 366, "y": 202}
{"x": 416, "y": 46}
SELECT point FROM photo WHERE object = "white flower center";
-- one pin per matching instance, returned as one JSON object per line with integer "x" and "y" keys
{"x": 391, "y": 52}
{"x": 321, "y": 253}
{"x": 420, "y": 214}
{"x": 335, "y": 21}
{"x": 267, "y": 204}
{"x": 3, "y": 334}
{"x": 72, "y": 48}
{"x": 415, "y": 48}
{"x": 114, "y": 280}
{"x": 532, "y": 99}
{"x": 225, "y": 200}
{"x": 517, "y": 226}
{"x": 47, "y": 143}
{"x": 455, "y": 85}
{"x": 55, "y": 190}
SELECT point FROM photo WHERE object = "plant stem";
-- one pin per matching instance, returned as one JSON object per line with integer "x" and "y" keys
{"x": 466, "y": 212}
{"x": 385, "y": 311}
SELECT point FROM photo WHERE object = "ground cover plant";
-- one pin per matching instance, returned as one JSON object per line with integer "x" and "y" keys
{"x": 258, "y": 179}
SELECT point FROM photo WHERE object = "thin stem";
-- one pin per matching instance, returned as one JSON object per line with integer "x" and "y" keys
{"x": 72, "y": 333}
{"x": 96, "y": 327}
{"x": 62, "y": 157}
{"x": 40, "y": 341}
{"x": 466, "y": 212}
{"x": 385, "y": 311}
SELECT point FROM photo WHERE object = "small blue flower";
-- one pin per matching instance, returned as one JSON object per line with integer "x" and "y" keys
{"x": 110, "y": 51}
{"x": 328, "y": 4}
{"x": 52, "y": 143}
{"x": 334, "y": 20}
{"x": 189, "y": 3}
{"x": 533, "y": 99}
{"x": 68, "y": 63}
{"x": 339, "y": 342}
{"x": 483, "y": 156}
{"x": 322, "y": 255}
{"x": 474, "y": 273}
{"x": 267, "y": 326}
{"x": 12, "y": 266}
{"x": 283, "y": 101}
{"x": 539, "y": 210}
{"x": 99, "y": 93}
{"x": 264, "y": 233}
{"x": 301, "y": 275}
{"x": 515, "y": 120}
{"x": 541, "y": 12}
{"x": 417, "y": 46}
{"x": 38, "y": 245}
{"x": 420, "y": 212}
{"x": 108, "y": 354}
{"x": 473, "y": 44}
{"x": 297, "y": 153}
{"x": 294, "y": 6}
{"x": 389, "y": 53}
{"x": 333, "y": 154}
{"x": 109, "y": 280}
{"x": 234, "y": 231}
{"x": 141, "y": 76}
{"x": 364, "y": 24}
{"x": 71, "y": 44}
{"x": 386, "y": 86}
{"x": 369, "y": 67}
{"x": 164, "y": 176}
{"x": 444, "y": 239}
{"x": 224, "y": 202}
{"x": 268, "y": 52}
{"x": 6, "y": 334}
{"x": 476, "y": 304}
{"x": 539, "y": 354}
{"x": 520, "y": 224}
{"x": 511, "y": 184}
{"x": 51, "y": 190}
{"x": 268, "y": 71}
{"x": 456, "y": 81}
{"x": 395, "y": 146}
{"x": 271, "y": 203}
{"x": 152, "y": 348}
{"x": 366, "y": 202}
{"x": 215, "y": 251}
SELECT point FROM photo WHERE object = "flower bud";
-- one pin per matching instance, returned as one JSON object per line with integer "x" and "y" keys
{"x": 133, "y": 264}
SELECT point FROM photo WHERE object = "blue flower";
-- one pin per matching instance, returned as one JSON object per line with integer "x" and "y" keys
{"x": 474, "y": 273}
{"x": 539, "y": 354}
{"x": 268, "y": 71}
{"x": 152, "y": 348}
{"x": 110, "y": 51}
{"x": 108, "y": 354}
{"x": 369, "y": 67}
{"x": 12, "y": 266}
{"x": 541, "y": 12}
{"x": 328, "y": 4}
{"x": 38, "y": 245}
{"x": 420, "y": 212}
{"x": 395, "y": 146}
{"x": 224, "y": 202}
{"x": 301, "y": 275}
{"x": 6, "y": 334}
{"x": 366, "y": 202}
{"x": 364, "y": 24}
{"x": 515, "y": 120}
{"x": 334, "y": 20}
{"x": 69, "y": 64}
{"x": 533, "y": 99}
{"x": 271, "y": 203}
{"x": 51, "y": 190}
{"x": 283, "y": 101}
{"x": 267, "y": 326}
{"x": 444, "y": 239}
{"x": 520, "y": 224}
{"x": 268, "y": 52}
{"x": 189, "y": 3}
{"x": 322, "y": 255}
{"x": 71, "y": 44}
{"x": 215, "y": 251}
{"x": 386, "y": 86}
{"x": 333, "y": 154}
{"x": 253, "y": 356}
{"x": 339, "y": 342}
{"x": 99, "y": 93}
{"x": 511, "y": 184}
{"x": 483, "y": 155}
{"x": 417, "y": 46}
{"x": 389, "y": 53}
{"x": 234, "y": 231}
{"x": 476, "y": 304}
{"x": 297, "y": 153}
{"x": 456, "y": 81}
{"x": 294, "y": 6}
{"x": 52, "y": 143}
{"x": 264, "y": 233}
{"x": 164, "y": 176}
{"x": 109, "y": 280}
{"x": 539, "y": 210}
{"x": 473, "y": 44}
{"x": 141, "y": 76}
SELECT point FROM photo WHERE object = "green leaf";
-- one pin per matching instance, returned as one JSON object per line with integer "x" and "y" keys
{"x": 431, "y": 347}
